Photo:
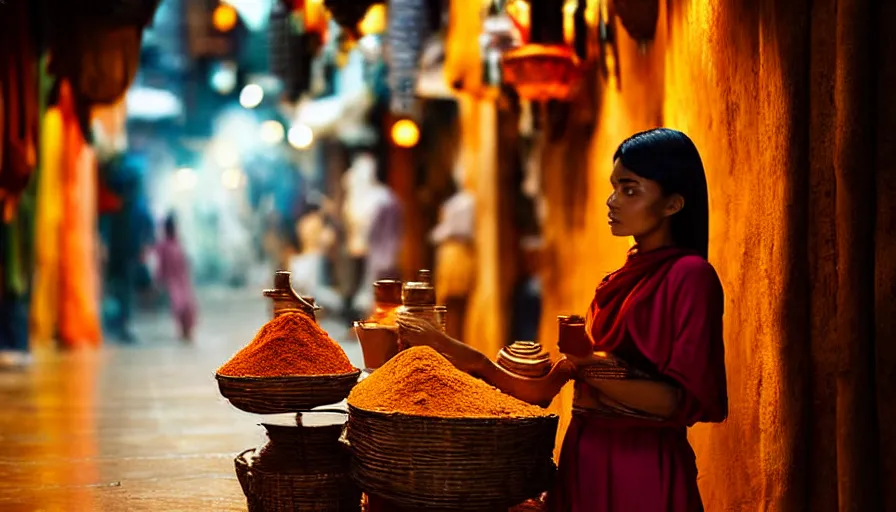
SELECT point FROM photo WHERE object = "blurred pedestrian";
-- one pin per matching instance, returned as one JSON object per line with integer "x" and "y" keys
{"x": 175, "y": 278}
{"x": 455, "y": 273}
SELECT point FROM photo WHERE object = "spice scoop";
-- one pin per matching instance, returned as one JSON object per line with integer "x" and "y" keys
{"x": 379, "y": 343}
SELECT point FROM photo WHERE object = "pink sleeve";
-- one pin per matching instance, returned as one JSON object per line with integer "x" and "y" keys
{"x": 697, "y": 358}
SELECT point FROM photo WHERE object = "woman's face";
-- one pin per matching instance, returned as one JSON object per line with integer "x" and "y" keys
{"x": 637, "y": 206}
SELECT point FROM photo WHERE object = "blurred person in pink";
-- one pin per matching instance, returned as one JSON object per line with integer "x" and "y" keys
{"x": 174, "y": 275}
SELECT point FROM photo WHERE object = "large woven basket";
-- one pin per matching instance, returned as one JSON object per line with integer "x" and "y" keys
{"x": 451, "y": 463}
{"x": 287, "y": 492}
{"x": 276, "y": 395}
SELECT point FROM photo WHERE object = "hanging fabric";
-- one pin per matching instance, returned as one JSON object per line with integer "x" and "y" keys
{"x": 18, "y": 105}
{"x": 45, "y": 293}
{"x": 79, "y": 323}
{"x": 66, "y": 289}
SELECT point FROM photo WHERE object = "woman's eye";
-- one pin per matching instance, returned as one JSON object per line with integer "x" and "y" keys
{"x": 628, "y": 191}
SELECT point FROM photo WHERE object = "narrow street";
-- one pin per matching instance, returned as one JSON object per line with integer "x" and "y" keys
{"x": 134, "y": 428}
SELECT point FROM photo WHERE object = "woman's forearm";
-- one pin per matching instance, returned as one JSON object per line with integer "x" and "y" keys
{"x": 538, "y": 391}
{"x": 534, "y": 391}
{"x": 463, "y": 356}
{"x": 647, "y": 396}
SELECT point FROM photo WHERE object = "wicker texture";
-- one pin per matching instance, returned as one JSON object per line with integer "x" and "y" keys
{"x": 451, "y": 463}
{"x": 287, "y": 492}
{"x": 277, "y": 395}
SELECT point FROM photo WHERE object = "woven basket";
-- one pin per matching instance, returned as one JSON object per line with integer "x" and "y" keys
{"x": 451, "y": 463}
{"x": 287, "y": 492}
{"x": 276, "y": 395}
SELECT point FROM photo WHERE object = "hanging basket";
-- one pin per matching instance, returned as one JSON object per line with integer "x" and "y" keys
{"x": 317, "y": 492}
{"x": 451, "y": 463}
{"x": 277, "y": 395}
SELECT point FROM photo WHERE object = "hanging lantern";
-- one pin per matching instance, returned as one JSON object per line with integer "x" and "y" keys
{"x": 639, "y": 17}
{"x": 542, "y": 72}
{"x": 349, "y": 13}
{"x": 405, "y": 36}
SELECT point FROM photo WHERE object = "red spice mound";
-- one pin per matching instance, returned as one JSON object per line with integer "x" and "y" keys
{"x": 291, "y": 344}
{"x": 421, "y": 382}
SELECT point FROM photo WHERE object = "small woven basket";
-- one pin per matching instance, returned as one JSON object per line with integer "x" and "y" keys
{"x": 286, "y": 492}
{"x": 277, "y": 395}
{"x": 451, "y": 463}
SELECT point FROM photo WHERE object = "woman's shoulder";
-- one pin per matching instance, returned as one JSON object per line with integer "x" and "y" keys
{"x": 693, "y": 271}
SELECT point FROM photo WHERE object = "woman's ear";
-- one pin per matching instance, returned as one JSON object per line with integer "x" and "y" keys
{"x": 674, "y": 204}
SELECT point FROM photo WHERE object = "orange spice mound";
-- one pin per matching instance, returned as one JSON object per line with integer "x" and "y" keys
{"x": 421, "y": 382}
{"x": 291, "y": 344}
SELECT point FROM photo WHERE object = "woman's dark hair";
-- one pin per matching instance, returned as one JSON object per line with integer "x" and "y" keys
{"x": 170, "y": 226}
{"x": 671, "y": 159}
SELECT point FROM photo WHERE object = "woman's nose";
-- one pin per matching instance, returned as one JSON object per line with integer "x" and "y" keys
{"x": 611, "y": 200}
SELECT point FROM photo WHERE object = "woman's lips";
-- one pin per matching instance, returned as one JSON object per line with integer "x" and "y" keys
{"x": 612, "y": 220}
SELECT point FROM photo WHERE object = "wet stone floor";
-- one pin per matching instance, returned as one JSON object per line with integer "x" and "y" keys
{"x": 134, "y": 428}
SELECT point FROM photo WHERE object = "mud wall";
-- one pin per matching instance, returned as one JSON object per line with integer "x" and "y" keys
{"x": 788, "y": 104}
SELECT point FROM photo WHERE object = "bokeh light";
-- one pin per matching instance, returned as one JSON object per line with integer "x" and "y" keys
{"x": 251, "y": 96}
{"x": 272, "y": 132}
{"x": 232, "y": 178}
{"x": 405, "y": 133}
{"x": 300, "y": 136}
{"x": 224, "y": 17}
{"x": 185, "y": 179}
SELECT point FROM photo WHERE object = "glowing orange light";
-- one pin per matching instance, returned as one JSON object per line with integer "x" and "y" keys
{"x": 569, "y": 22}
{"x": 315, "y": 16}
{"x": 374, "y": 21}
{"x": 518, "y": 10}
{"x": 224, "y": 18}
{"x": 405, "y": 133}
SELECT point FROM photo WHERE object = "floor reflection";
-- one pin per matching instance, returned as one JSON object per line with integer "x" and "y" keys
{"x": 131, "y": 428}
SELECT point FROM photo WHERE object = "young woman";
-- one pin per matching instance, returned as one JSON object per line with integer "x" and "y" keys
{"x": 658, "y": 319}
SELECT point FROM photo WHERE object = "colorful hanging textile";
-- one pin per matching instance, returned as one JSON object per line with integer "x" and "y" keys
{"x": 79, "y": 320}
{"x": 66, "y": 289}
{"x": 45, "y": 293}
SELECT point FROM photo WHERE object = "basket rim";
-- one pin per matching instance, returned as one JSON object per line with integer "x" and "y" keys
{"x": 454, "y": 420}
{"x": 287, "y": 378}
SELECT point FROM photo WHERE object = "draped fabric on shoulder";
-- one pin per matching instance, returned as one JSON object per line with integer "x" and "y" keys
{"x": 627, "y": 288}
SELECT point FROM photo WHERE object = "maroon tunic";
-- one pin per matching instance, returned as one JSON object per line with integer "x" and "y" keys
{"x": 663, "y": 314}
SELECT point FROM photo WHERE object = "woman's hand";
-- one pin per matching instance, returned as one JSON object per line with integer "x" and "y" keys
{"x": 414, "y": 332}
{"x": 538, "y": 391}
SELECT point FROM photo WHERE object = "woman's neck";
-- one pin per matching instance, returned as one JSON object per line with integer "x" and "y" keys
{"x": 654, "y": 240}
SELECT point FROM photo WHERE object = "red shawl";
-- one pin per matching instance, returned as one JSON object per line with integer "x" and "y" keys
{"x": 620, "y": 291}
